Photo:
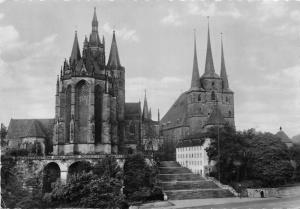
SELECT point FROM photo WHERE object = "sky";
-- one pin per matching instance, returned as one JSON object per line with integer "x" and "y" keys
{"x": 155, "y": 42}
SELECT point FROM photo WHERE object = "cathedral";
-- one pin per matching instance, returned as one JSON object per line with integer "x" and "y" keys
{"x": 91, "y": 116}
{"x": 208, "y": 102}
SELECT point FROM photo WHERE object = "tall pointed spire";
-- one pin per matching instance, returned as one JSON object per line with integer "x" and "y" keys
{"x": 209, "y": 63}
{"x": 195, "y": 84}
{"x": 158, "y": 115}
{"x": 95, "y": 21}
{"x": 145, "y": 108}
{"x": 114, "y": 60}
{"x": 223, "y": 68}
{"x": 94, "y": 37}
{"x": 75, "y": 54}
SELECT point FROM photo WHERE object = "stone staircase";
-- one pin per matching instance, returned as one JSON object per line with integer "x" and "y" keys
{"x": 180, "y": 183}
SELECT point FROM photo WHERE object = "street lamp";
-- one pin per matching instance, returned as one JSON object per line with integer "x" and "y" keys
{"x": 237, "y": 163}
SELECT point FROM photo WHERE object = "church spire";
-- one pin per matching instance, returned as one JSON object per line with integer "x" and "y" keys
{"x": 94, "y": 37}
{"x": 195, "y": 84}
{"x": 95, "y": 22}
{"x": 209, "y": 63}
{"x": 223, "y": 68}
{"x": 145, "y": 108}
{"x": 114, "y": 60}
{"x": 75, "y": 54}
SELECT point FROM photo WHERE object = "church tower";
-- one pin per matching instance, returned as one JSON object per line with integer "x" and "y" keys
{"x": 90, "y": 98}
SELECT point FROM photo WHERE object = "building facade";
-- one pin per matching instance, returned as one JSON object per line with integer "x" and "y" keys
{"x": 209, "y": 98}
{"x": 191, "y": 153}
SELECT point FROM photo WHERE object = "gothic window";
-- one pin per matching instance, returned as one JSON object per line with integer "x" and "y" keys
{"x": 213, "y": 96}
{"x": 132, "y": 128}
{"x": 68, "y": 112}
{"x": 82, "y": 111}
{"x": 213, "y": 84}
{"x": 199, "y": 97}
{"x": 229, "y": 113}
{"x": 98, "y": 113}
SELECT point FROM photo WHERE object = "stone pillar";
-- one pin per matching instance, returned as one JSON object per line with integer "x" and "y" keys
{"x": 63, "y": 176}
{"x": 106, "y": 139}
{"x": 91, "y": 138}
{"x": 114, "y": 125}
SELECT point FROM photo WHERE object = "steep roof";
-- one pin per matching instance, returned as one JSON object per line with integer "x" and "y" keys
{"x": 114, "y": 60}
{"x": 283, "y": 136}
{"x": 223, "y": 69}
{"x": 191, "y": 142}
{"x": 19, "y": 128}
{"x": 195, "y": 83}
{"x": 75, "y": 54}
{"x": 209, "y": 71}
{"x": 132, "y": 108}
{"x": 35, "y": 130}
{"x": 216, "y": 117}
{"x": 177, "y": 114}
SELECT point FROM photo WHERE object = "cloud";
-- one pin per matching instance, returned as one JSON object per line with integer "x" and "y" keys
{"x": 212, "y": 9}
{"x": 2, "y": 1}
{"x": 26, "y": 68}
{"x": 1, "y": 15}
{"x": 270, "y": 9}
{"x": 123, "y": 33}
{"x": 272, "y": 103}
{"x": 171, "y": 19}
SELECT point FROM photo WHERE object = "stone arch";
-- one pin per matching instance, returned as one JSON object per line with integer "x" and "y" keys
{"x": 68, "y": 112}
{"x": 98, "y": 112}
{"x": 79, "y": 167}
{"x": 51, "y": 173}
{"x": 82, "y": 111}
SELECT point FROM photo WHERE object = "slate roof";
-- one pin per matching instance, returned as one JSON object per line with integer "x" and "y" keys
{"x": 19, "y": 128}
{"x": 190, "y": 142}
{"x": 216, "y": 117}
{"x": 132, "y": 109}
{"x": 177, "y": 114}
{"x": 284, "y": 137}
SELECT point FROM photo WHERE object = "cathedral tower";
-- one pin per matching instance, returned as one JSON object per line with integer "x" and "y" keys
{"x": 90, "y": 98}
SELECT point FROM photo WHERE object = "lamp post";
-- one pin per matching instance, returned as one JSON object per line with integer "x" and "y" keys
{"x": 219, "y": 156}
{"x": 237, "y": 163}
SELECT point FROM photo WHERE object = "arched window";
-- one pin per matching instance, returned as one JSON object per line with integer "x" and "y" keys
{"x": 213, "y": 95}
{"x": 82, "y": 111}
{"x": 68, "y": 112}
{"x": 98, "y": 113}
{"x": 229, "y": 113}
{"x": 199, "y": 97}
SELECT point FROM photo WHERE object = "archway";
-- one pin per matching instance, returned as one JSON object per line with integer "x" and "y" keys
{"x": 79, "y": 167}
{"x": 51, "y": 173}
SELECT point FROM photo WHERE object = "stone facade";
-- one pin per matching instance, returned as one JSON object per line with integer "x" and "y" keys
{"x": 208, "y": 102}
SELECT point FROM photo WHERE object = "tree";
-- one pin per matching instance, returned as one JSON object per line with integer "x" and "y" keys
{"x": 140, "y": 179}
{"x": 3, "y": 133}
{"x": 100, "y": 187}
{"x": 248, "y": 155}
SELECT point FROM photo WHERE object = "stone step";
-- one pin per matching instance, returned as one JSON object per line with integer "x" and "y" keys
{"x": 180, "y": 177}
{"x": 173, "y": 170}
{"x": 183, "y": 185}
{"x": 197, "y": 194}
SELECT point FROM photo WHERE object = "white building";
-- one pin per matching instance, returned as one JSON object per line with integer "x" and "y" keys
{"x": 190, "y": 153}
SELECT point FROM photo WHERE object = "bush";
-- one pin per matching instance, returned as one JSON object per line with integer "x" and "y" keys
{"x": 17, "y": 152}
{"x": 140, "y": 179}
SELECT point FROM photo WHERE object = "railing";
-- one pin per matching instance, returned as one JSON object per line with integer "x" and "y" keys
{"x": 67, "y": 157}
{"x": 223, "y": 186}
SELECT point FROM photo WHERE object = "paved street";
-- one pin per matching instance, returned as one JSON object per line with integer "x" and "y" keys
{"x": 278, "y": 203}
